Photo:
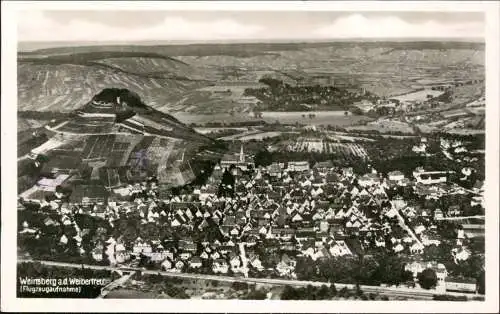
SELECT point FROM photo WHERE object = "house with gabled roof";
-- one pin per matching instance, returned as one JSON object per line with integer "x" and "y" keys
{"x": 368, "y": 179}
{"x": 323, "y": 166}
{"x": 340, "y": 248}
{"x": 220, "y": 266}
{"x": 215, "y": 255}
{"x": 235, "y": 231}
{"x": 179, "y": 265}
{"x": 395, "y": 176}
{"x": 263, "y": 230}
{"x": 286, "y": 266}
{"x": 234, "y": 260}
{"x": 195, "y": 262}
{"x": 97, "y": 253}
{"x": 282, "y": 233}
{"x": 255, "y": 262}
{"x": 167, "y": 264}
{"x": 176, "y": 222}
{"x": 297, "y": 218}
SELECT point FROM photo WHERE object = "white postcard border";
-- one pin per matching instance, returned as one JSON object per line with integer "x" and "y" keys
{"x": 9, "y": 301}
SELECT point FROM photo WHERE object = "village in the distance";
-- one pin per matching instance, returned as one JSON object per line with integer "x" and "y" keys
{"x": 304, "y": 171}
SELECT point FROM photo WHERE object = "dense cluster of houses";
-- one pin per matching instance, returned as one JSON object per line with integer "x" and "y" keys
{"x": 312, "y": 211}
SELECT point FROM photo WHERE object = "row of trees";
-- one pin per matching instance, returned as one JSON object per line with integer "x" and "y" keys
{"x": 370, "y": 270}
{"x": 171, "y": 287}
{"x": 309, "y": 293}
{"x": 326, "y": 293}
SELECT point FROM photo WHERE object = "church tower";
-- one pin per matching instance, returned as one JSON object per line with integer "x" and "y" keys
{"x": 242, "y": 155}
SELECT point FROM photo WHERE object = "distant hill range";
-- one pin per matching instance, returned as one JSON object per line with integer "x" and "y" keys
{"x": 173, "y": 78}
{"x": 64, "y": 82}
{"x": 248, "y": 48}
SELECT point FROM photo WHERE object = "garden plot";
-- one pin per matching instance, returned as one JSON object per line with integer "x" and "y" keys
{"x": 346, "y": 150}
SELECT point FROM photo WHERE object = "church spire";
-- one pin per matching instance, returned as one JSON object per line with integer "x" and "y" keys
{"x": 242, "y": 155}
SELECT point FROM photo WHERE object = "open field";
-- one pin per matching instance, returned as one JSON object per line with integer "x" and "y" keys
{"x": 419, "y": 95}
{"x": 26, "y": 124}
{"x": 189, "y": 118}
{"x": 258, "y": 136}
{"x": 214, "y": 130}
{"x": 79, "y": 125}
{"x": 348, "y": 138}
{"x": 384, "y": 126}
{"x": 334, "y": 118}
{"x": 98, "y": 147}
{"x": 465, "y": 131}
{"x": 467, "y": 93}
{"x": 346, "y": 150}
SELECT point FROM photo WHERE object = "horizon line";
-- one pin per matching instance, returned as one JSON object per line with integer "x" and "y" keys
{"x": 265, "y": 40}
{"x": 33, "y": 46}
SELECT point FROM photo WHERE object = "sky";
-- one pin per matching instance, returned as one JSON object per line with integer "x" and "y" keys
{"x": 133, "y": 26}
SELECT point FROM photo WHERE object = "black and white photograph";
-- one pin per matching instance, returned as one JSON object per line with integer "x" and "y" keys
{"x": 267, "y": 154}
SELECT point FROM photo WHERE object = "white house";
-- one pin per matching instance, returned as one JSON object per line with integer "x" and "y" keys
{"x": 430, "y": 177}
{"x": 368, "y": 179}
{"x": 97, "y": 253}
{"x": 195, "y": 262}
{"x": 461, "y": 284}
{"x": 220, "y": 266}
{"x": 460, "y": 254}
{"x": 340, "y": 248}
{"x": 166, "y": 264}
{"x": 396, "y": 176}
{"x": 255, "y": 262}
{"x": 398, "y": 248}
{"x": 63, "y": 239}
{"x": 298, "y": 166}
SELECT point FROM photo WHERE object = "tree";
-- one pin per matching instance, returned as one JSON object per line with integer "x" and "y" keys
{"x": 333, "y": 290}
{"x": 344, "y": 292}
{"x": 263, "y": 158}
{"x": 389, "y": 270}
{"x": 427, "y": 278}
{"x": 407, "y": 276}
{"x": 239, "y": 285}
{"x": 289, "y": 293}
{"x": 42, "y": 158}
{"x": 359, "y": 292}
{"x": 258, "y": 294}
{"x": 304, "y": 268}
{"x": 323, "y": 293}
{"x": 480, "y": 283}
